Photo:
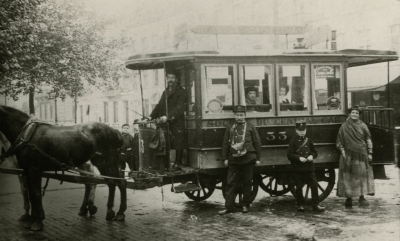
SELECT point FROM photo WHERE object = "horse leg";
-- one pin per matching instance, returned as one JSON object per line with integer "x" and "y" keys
{"x": 83, "y": 211}
{"x": 122, "y": 189}
{"x": 92, "y": 208}
{"x": 88, "y": 201}
{"x": 24, "y": 190}
{"x": 35, "y": 196}
{"x": 110, "y": 203}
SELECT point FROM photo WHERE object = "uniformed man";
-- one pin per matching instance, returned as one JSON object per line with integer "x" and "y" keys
{"x": 241, "y": 151}
{"x": 301, "y": 153}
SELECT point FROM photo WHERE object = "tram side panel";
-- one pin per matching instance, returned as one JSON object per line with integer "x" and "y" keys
{"x": 275, "y": 141}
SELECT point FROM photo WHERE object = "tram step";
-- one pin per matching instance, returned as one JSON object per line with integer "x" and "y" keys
{"x": 186, "y": 188}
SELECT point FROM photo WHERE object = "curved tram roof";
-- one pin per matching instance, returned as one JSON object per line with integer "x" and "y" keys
{"x": 356, "y": 57}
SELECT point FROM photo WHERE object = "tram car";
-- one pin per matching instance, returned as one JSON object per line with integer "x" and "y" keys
{"x": 290, "y": 86}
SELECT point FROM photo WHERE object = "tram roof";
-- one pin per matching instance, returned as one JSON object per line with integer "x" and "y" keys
{"x": 356, "y": 57}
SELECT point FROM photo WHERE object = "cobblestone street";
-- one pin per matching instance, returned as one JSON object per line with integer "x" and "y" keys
{"x": 158, "y": 214}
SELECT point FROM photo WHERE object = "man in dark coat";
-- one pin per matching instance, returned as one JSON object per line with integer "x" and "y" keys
{"x": 301, "y": 153}
{"x": 174, "y": 112}
{"x": 241, "y": 150}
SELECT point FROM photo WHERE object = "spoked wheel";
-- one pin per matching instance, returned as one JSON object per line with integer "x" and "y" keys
{"x": 326, "y": 182}
{"x": 239, "y": 191}
{"x": 207, "y": 189}
{"x": 271, "y": 185}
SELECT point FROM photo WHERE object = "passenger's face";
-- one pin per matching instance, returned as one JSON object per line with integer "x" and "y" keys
{"x": 354, "y": 114}
{"x": 125, "y": 129}
{"x": 252, "y": 95}
{"x": 301, "y": 133}
{"x": 171, "y": 80}
{"x": 282, "y": 91}
{"x": 240, "y": 117}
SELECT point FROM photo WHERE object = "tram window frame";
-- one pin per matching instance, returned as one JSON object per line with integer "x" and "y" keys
{"x": 227, "y": 113}
{"x": 272, "y": 94}
{"x": 306, "y": 94}
{"x": 342, "y": 99}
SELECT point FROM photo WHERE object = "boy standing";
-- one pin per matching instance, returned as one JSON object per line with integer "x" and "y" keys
{"x": 301, "y": 153}
{"x": 128, "y": 149}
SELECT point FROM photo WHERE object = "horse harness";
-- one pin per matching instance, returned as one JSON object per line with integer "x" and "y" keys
{"x": 24, "y": 139}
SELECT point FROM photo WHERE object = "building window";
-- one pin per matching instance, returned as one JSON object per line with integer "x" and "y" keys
{"x": 115, "y": 111}
{"x": 105, "y": 112}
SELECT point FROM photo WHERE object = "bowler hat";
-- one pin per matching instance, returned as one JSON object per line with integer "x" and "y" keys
{"x": 301, "y": 125}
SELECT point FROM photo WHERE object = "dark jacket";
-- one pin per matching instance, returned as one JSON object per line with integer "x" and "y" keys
{"x": 177, "y": 100}
{"x": 252, "y": 144}
{"x": 294, "y": 153}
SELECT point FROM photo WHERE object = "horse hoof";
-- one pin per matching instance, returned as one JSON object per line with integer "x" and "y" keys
{"x": 25, "y": 218}
{"x": 83, "y": 212}
{"x": 37, "y": 226}
{"x": 92, "y": 210}
{"x": 110, "y": 215}
{"x": 119, "y": 217}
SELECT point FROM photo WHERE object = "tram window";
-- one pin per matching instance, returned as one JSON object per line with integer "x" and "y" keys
{"x": 293, "y": 87}
{"x": 327, "y": 88}
{"x": 218, "y": 90}
{"x": 256, "y": 91}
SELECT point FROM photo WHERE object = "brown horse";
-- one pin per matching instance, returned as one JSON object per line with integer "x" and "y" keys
{"x": 90, "y": 189}
{"x": 41, "y": 147}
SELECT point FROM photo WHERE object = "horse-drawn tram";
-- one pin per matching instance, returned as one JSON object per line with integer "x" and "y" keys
{"x": 290, "y": 86}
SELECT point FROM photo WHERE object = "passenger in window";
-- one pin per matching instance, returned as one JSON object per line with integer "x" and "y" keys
{"x": 251, "y": 96}
{"x": 283, "y": 97}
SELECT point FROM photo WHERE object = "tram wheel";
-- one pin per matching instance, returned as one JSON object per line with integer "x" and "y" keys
{"x": 271, "y": 185}
{"x": 326, "y": 182}
{"x": 239, "y": 195}
{"x": 207, "y": 189}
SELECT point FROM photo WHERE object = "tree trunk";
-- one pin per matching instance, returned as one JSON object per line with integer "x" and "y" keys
{"x": 31, "y": 101}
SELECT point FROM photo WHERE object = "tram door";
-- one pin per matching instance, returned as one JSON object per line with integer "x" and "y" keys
{"x": 384, "y": 137}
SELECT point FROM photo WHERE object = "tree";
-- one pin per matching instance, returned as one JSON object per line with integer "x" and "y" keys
{"x": 66, "y": 49}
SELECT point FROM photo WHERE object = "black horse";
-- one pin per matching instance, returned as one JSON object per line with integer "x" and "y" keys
{"x": 41, "y": 147}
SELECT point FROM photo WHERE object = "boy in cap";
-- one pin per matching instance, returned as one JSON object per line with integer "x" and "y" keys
{"x": 301, "y": 153}
{"x": 127, "y": 149}
{"x": 241, "y": 150}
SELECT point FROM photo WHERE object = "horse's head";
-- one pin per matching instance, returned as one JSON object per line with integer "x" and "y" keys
{"x": 11, "y": 122}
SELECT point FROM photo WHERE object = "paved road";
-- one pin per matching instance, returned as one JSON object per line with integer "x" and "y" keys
{"x": 158, "y": 214}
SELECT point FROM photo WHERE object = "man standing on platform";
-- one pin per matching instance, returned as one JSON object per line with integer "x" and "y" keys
{"x": 176, "y": 98}
{"x": 241, "y": 151}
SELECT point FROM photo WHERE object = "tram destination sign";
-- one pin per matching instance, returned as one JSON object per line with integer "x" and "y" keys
{"x": 279, "y": 30}
{"x": 283, "y": 121}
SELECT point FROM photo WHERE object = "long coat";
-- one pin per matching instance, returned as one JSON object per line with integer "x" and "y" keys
{"x": 176, "y": 100}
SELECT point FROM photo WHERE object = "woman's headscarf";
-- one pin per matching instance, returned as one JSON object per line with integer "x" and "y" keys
{"x": 353, "y": 135}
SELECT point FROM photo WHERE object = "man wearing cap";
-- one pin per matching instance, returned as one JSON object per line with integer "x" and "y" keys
{"x": 175, "y": 97}
{"x": 301, "y": 153}
{"x": 241, "y": 151}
